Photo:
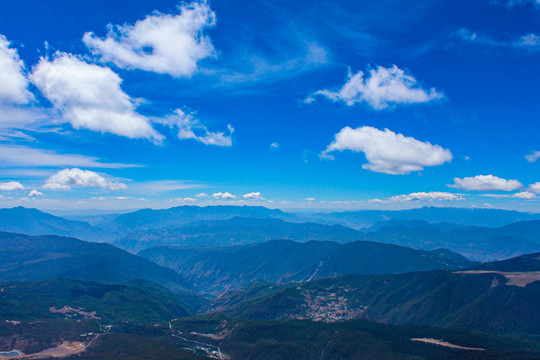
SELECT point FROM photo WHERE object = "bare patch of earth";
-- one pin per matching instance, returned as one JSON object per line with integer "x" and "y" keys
{"x": 520, "y": 279}
{"x": 66, "y": 348}
{"x": 446, "y": 344}
{"x": 70, "y": 312}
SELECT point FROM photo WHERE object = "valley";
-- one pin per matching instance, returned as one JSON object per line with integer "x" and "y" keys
{"x": 270, "y": 287}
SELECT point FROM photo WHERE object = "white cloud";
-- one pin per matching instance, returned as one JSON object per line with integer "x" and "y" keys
{"x": 274, "y": 146}
{"x": 532, "y": 157}
{"x": 34, "y": 193}
{"x": 201, "y": 195}
{"x": 191, "y": 128}
{"x": 529, "y": 42}
{"x": 525, "y": 195}
{"x": 14, "y": 89}
{"x": 25, "y": 156}
{"x": 309, "y": 199}
{"x": 535, "y": 187}
{"x": 65, "y": 179}
{"x": 162, "y": 43}
{"x": 486, "y": 183}
{"x": 156, "y": 186}
{"x": 253, "y": 196}
{"x": 223, "y": 196}
{"x": 11, "y": 186}
{"x": 381, "y": 88}
{"x": 90, "y": 97}
{"x": 15, "y": 118}
{"x": 426, "y": 196}
{"x": 519, "y": 195}
{"x": 187, "y": 199}
{"x": 289, "y": 58}
{"x": 388, "y": 152}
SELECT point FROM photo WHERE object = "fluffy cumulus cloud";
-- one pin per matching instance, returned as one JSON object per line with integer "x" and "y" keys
{"x": 34, "y": 193}
{"x": 427, "y": 196}
{"x": 191, "y": 128}
{"x": 533, "y": 156}
{"x": 388, "y": 152}
{"x": 161, "y": 43}
{"x": 67, "y": 178}
{"x": 535, "y": 188}
{"x": 380, "y": 88}
{"x": 253, "y": 196}
{"x": 486, "y": 183}
{"x": 12, "y": 77}
{"x": 11, "y": 186}
{"x": 201, "y": 195}
{"x": 90, "y": 97}
{"x": 223, "y": 196}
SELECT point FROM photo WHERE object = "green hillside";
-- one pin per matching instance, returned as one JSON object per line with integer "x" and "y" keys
{"x": 477, "y": 301}
{"x": 77, "y": 299}
{"x": 25, "y": 257}
{"x": 223, "y": 268}
{"x": 351, "y": 340}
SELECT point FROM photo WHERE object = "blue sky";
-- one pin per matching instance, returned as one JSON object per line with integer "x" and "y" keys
{"x": 328, "y": 104}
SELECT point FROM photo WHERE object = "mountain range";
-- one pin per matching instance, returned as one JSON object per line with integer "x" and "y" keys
{"x": 181, "y": 215}
{"x": 215, "y": 269}
{"x": 34, "y": 222}
{"x": 476, "y": 243}
{"x": 235, "y": 231}
{"x": 362, "y": 219}
{"x": 194, "y": 226}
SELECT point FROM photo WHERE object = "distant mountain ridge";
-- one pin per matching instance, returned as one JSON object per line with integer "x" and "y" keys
{"x": 476, "y": 243}
{"x": 215, "y": 269}
{"x": 181, "y": 215}
{"x": 31, "y": 221}
{"x": 235, "y": 231}
{"x": 362, "y": 219}
{"x": 412, "y": 224}
{"x": 234, "y": 225}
